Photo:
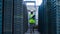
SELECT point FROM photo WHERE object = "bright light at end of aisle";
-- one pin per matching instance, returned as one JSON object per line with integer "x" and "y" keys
{"x": 29, "y": 3}
{"x": 38, "y": 2}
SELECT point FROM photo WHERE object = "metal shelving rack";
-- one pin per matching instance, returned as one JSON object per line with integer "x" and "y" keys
{"x": 7, "y": 12}
{"x": 14, "y": 17}
{"x": 20, "y": 16}
{"x": 51, "y": 16}
{"x": 58, "y": 16}
{"x": 54, "y": 16}
{"x": 0, "y": 16}
{"x": 43, "y": 18}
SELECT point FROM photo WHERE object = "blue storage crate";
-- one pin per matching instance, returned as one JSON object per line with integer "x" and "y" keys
{"x": 8, "y": 12}
{"x": 0, "y": 16}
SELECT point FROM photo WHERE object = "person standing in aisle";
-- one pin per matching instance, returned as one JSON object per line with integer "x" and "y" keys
{"x": 32, "y": 22}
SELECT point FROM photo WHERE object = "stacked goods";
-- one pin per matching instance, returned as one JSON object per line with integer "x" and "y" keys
{"x": 7, "y": 15}
{"x": 0, "y": 16}
{"x": 54, "y": 16}
{"x": 20, "y": 17}
{"x": 43, "y": 18}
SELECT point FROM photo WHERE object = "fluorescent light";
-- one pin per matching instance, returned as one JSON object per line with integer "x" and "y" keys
{"x": 29, "y": 3}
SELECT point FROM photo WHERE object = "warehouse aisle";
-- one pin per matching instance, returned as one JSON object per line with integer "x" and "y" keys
{"x": 35, "y": 32}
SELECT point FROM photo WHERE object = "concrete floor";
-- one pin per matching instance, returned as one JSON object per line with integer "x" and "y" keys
{"x": 35, "y": 32}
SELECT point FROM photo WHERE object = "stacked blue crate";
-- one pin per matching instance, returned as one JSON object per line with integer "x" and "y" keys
{"x": 53, "y": 17}
{"x": 8, "y": 11}
{"x": 43, "y": 19}
{"x": 0, "y": 16}
{"x": 53, "y": 10}
{"x": 49, "y": 11}
{"x": 58, "y": 16}
{"x": 20, "y": 17}
{"x": 25, "y": 19}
